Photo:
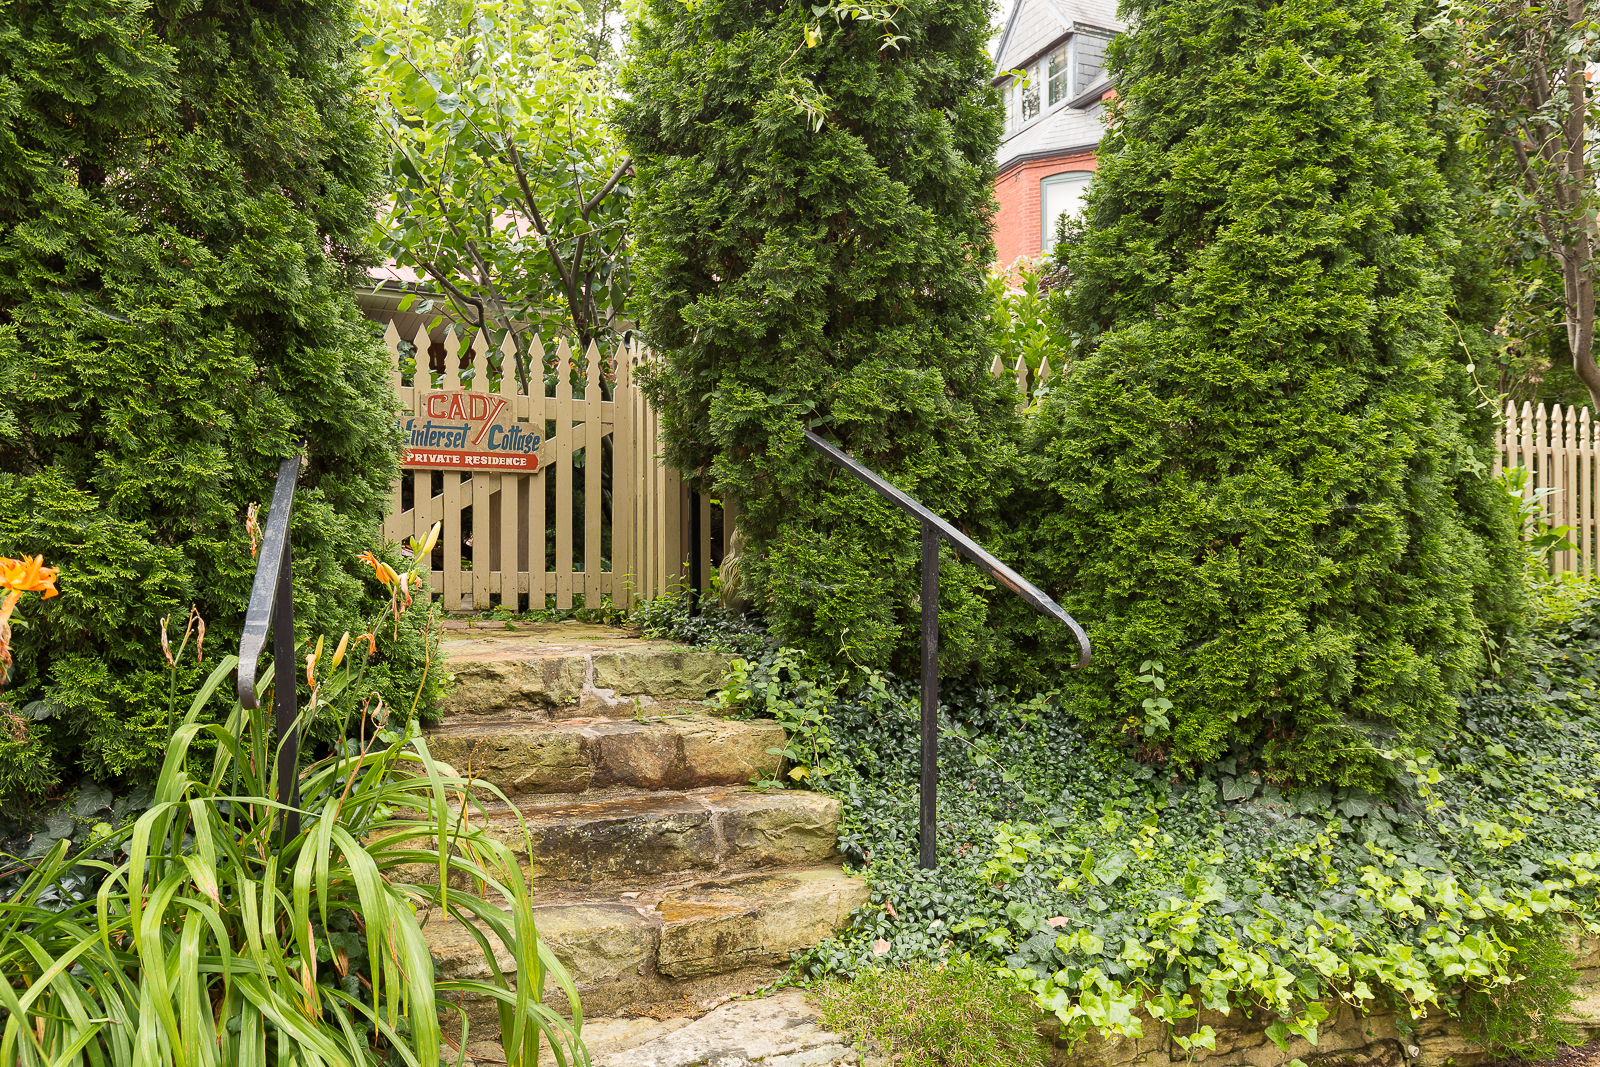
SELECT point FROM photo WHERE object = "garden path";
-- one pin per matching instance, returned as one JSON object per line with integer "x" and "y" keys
{"x": 663, "y": 882}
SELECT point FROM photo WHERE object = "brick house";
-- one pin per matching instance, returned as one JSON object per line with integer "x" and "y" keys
{"x": 1053, "y": 115}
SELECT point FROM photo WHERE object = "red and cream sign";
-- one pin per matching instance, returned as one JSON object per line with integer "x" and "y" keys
{"x": 471, "y": 431}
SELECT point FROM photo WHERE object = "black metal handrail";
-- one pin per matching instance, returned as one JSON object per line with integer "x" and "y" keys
{"x": 933, "y": 528}
{"x": 272, "y": 608}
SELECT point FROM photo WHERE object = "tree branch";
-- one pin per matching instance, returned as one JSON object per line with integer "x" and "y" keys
{"x": 539, "y": 226}
{"x": 605, "y": 190}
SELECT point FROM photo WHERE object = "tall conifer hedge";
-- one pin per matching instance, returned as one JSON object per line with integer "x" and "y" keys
{"x": 788, "y": 274}
{"x": 185, "y": 190}
{"x": 1266, "y": 475}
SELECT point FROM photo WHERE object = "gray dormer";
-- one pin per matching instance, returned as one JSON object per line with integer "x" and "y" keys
{"x": 1060, "y": 44}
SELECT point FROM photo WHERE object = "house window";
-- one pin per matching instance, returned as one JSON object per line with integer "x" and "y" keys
{"x": 1060, "y": 64}
{"x": 1028, "y": 98}
{"x": 1059, "y": 194}
{"x": 1063, "y": 75}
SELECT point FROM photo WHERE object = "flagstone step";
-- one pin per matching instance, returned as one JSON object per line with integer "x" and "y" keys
{"x": 671, "y": 751}
{"x": 631, "y": 834}
{"x": 530, "y": 673}
{"x": 671, "y": 947}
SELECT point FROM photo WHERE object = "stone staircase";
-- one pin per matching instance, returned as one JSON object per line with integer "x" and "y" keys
{"x": 663, "y": 882}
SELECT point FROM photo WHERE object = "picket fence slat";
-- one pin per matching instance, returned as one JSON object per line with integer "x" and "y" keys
{"x": 627, "y": 537}
{"x": 1557, "y": 447}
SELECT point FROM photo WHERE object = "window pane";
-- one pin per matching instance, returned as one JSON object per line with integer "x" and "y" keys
{"x": 1091, "y": 52}
{"x": 1030, "y": 96}
{"x": 1060, "y": 61}
{"x": 1060, "y": 194}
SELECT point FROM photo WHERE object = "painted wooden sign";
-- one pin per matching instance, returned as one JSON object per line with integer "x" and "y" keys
{"x": 469, "y": 431}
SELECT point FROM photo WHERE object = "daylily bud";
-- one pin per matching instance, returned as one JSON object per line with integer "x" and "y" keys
{"x": 311, "y": 663}
{"x": 338, "y": 653}
{"x": 200, "y": 641}
{"x": 433, "y": 539}
{"x": 166, "y": 645}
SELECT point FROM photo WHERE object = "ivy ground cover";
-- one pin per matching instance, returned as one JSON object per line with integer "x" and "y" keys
{"x": 1107, "y": 886}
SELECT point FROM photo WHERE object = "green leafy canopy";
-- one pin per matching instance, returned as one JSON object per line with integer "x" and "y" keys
{"x": 507, "y": 187}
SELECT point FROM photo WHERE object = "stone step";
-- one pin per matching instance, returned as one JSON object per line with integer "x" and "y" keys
{"x": 530, "y": 673}
{"x": 631, "y": 835}
{"x": 673, "y": 751}
{"x": 672, "y": 947}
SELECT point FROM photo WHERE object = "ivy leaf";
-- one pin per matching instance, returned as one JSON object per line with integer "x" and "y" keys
{"x": 1355, "y": 807}
{"x": 1111, "y": 868}
{"x": 1240, "y": 788}
{"x": 92, "y": 798}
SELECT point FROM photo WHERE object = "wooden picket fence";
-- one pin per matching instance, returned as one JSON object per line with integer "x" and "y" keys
{"x": 1028, "y": 382}
{"x": 602, "y": 516}
{"x": 543, "y": 538}
{"x": 1557, "y": 447}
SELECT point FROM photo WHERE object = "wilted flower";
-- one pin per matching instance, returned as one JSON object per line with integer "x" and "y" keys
{"x": 252, "y": 528}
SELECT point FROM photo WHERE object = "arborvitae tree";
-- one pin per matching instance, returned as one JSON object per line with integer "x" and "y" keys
{"x": 1266, "y": 476}
{"x": 788, "y": 274}
{"x": 185, "y": 194}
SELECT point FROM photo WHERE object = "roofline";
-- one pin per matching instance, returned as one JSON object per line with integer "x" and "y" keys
{"x": 1073, "y": 29}
{"x": 1091, "y": 95}
{"x": 1033, "y": 157}
{"x": 1005, "y": 34}
{"x": 1061, "y": 19}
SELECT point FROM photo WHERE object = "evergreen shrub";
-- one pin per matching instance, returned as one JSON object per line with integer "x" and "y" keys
{"x": 186, "y": 191}
{"x": 1265, "y": 475}
{"x": 793, "y": 274}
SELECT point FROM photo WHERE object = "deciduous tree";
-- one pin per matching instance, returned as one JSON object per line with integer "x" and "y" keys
{"x": 1531, "y": 75}
{"x": 508, "y": 191}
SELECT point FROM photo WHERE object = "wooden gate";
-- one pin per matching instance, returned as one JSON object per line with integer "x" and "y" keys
{"x": 599, "y": 517}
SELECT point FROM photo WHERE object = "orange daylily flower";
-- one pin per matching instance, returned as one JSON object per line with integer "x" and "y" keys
{"x": 380, "y": 570}
{"x": 28, "y": 576}
{"x": 18, "y": 576}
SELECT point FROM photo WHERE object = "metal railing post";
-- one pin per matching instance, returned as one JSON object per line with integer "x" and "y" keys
{"x": 284, "y": 695}
{"x": 935, "y": 529}
{"x": 928, "y": 840}
{"x": 272, "y": 609}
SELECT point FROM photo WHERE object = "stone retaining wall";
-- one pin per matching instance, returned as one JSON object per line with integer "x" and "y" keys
{"x": 1345, "y": 1039}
